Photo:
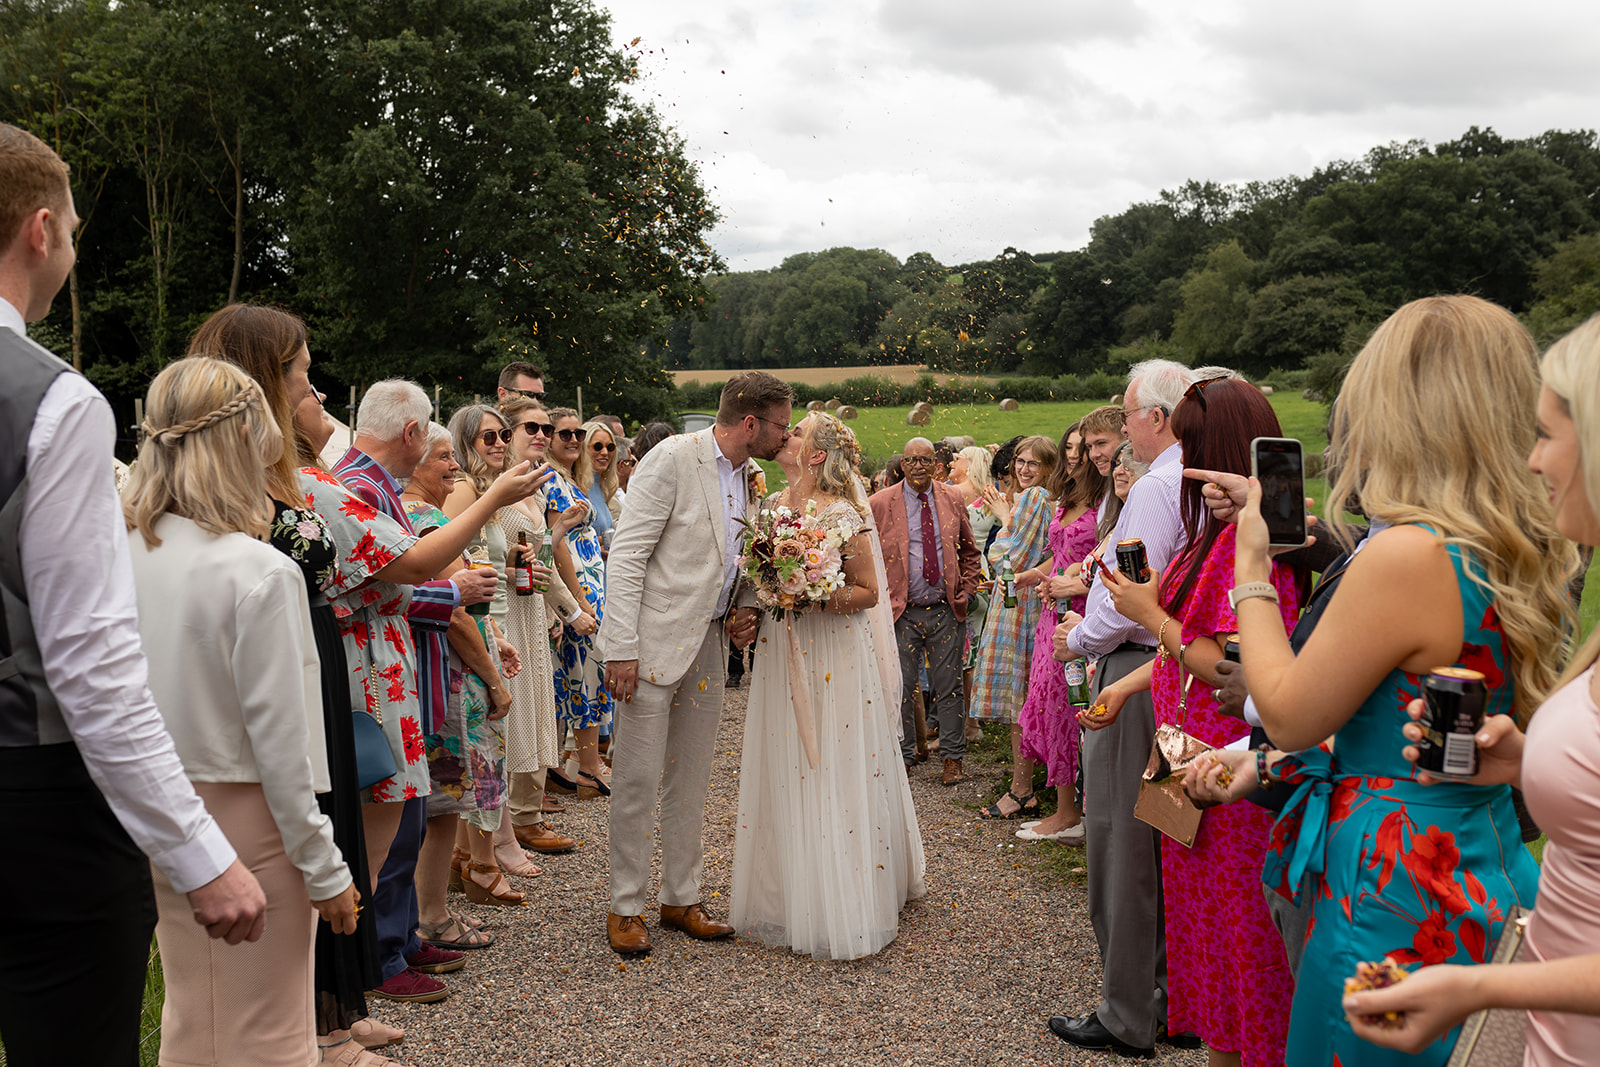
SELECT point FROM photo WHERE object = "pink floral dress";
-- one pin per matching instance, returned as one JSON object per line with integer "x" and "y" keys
{"x": 1049, "y": 725}
{"x": 1227, "y": 977}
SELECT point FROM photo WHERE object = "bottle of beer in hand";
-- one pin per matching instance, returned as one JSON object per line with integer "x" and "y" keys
{"x": 524, "y": 570}
{"x": 1008, "y": 582}
{"x": 1078, "y": 683}
{"x": 547, "y": 559}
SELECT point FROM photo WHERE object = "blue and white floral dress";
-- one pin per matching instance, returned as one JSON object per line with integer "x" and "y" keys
{"x": 580, "y": 700}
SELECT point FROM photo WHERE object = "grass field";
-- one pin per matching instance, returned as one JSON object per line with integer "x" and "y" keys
{"x": 899, "y": 373}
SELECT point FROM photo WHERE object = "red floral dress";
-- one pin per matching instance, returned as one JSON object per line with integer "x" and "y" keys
{"x": 372, "y": 621}
{"x": 1425, "y": 874}
{"x": 1227, "y": 977}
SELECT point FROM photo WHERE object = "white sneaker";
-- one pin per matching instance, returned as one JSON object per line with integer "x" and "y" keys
{"x": 1072, "y": 835}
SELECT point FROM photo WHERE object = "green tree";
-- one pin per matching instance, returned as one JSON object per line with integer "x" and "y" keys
{"x": 1288, "y": 322}
{"x": 1568, "y": 285}
{"x": 1216, "y": 301}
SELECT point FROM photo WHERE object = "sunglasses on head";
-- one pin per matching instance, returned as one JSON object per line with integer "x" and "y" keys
{"x": 1198, "y": 390}
{"x": 488, "y": 437}
{"x": 571, "y": 435}
{"x": 534, "y": 428}
{"x": 598, "y": 447}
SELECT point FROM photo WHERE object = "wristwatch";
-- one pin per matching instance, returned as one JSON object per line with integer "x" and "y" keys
{"x": 1264, "y": 590}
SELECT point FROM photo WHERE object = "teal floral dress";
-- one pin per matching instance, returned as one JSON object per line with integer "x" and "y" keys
{"x": 580, "y": 700}
{"x": 1425, "y": 874}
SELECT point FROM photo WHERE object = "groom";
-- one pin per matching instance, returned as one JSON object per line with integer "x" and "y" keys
{"x": 669, "y": 591}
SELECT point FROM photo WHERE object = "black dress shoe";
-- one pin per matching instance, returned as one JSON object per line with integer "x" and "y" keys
{"x": 1187, "y": 1039}
{"x": 1088, "y": 1032}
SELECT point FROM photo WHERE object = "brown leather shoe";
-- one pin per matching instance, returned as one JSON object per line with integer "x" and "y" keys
{"x": 693, "y": 921}
{"x": 953, "y": 774}
{"x": 627, "y": 934}
{"x": 540, "y": 838}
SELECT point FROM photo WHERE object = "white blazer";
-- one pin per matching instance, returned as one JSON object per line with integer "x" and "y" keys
{"x": 665, "y": 570}
{"x": 233, "y": 666}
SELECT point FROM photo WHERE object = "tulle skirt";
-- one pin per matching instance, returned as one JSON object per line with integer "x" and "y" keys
{"x": 824, "y": 857}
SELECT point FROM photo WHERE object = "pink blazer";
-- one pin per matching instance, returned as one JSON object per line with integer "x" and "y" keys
{"x": 959, "y": 562}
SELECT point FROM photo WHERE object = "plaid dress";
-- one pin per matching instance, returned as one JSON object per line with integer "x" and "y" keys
{"x": 1005, "y": 651}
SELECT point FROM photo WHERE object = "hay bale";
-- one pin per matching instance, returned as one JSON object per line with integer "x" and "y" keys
{"x": 815, "y": 405}
{"x": 918, "y": 417}
{"x": 1116, "y": 400}
{"x": 1266, "y": 390}
{"x": 1313, "y": 394}
{"x": 846, "y": 412}
{"x": 834, "y": 405}
{"x": 958, "y": 443}
{"x": 1008, "y": 404}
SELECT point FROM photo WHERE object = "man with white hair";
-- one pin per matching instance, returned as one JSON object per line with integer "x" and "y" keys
{"x": 1124, "y": 854}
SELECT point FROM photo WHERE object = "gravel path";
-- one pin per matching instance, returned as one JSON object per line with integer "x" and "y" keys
{"x": 1001, "y": 942}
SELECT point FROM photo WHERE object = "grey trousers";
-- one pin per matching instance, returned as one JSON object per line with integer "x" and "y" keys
{"x": 1124, "y": 859}
{"x": 666, "y": 738}
{"x": 932, "y": 630}
{"x": 1293, "y": 920}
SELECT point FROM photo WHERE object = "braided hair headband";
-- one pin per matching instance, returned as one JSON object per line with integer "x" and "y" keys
{"x": 173, "y": 435}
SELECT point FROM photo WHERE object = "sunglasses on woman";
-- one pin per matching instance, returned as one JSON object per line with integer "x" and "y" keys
{"x": 538, "y": 429}
{"x": 488, "y": 437}
{"x": 571, "y": 435}
{"x": 598, "y": 447}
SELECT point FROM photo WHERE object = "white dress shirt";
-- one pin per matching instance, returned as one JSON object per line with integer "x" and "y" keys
{"x": 1152, "y": 514}
{"x": 735, "y": 495}
{"x": 234, "y": 668}
{"x": 74, "y": 551}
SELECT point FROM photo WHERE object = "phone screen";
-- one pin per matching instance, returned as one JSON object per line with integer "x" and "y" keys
{"x": 1277, "y": 463}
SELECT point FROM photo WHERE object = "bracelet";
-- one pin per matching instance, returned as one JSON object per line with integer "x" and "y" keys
{"x": 1183, "y": 647}
{"x": 1263, "y": 776}
{"x": 1161, "y": 648}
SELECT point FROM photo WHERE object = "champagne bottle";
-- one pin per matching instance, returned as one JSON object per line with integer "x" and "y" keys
{"x": 1008, "y": 582}
{"x": 524, "y": 566}
{"x": 547, "y": 557}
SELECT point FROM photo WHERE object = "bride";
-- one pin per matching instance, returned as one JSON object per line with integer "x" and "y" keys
{"x": 826, "y": 854}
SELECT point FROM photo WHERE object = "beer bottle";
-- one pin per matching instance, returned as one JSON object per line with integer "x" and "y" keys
{"x": 1008, "y": 582}
{"x": 524, "y": 572}
{"x": 1078, "y": 684}
{"x": 1063, "y": 605}
{"x": 547, "y": 557}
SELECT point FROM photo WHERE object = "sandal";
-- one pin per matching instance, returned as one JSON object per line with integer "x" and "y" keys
{"x": 556, "y": 782}
{"x": 590, "y": 786}
{"x": 993, "y": 811}
{"x": 471, "y": 922}
{"x": 524, "y": 869}
{"x": 371, "y": 1034}
{"x": 457, "y": 858}
{"x": 465, "y": 937}
{"x": 349, "y": 1053}
{"x": 498, "y": 892}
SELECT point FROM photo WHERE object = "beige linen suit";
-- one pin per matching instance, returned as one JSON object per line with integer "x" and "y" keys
{"x": 664, "y": 577}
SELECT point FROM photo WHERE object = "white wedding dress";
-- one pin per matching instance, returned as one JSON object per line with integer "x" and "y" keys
{"x": 825, "y": 857}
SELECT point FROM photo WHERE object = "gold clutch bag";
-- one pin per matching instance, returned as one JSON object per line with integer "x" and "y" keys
{"x": 1496, "y": 1037}
{"x": 1162, "y": 803}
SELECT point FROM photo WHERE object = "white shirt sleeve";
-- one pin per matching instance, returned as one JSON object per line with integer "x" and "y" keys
{"x": 1251, "y": 715}
{"x": 74, "y": 552}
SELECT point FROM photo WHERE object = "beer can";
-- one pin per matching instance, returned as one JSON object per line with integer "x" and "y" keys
{"x": 1131, "y": 559}
{"x": 1453, "y": 700}
{"x": 1230, "y": 648}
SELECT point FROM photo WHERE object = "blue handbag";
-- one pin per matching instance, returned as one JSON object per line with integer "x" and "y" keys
{"x": 374, "y": 759}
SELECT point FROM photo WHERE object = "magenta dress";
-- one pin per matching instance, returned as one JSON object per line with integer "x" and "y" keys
{"x": 1049, "y": 726}
{"x": 1227, "y": 977}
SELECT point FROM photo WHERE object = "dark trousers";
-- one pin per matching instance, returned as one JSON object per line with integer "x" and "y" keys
{"x": 1124, "y": 857}
{"x": 931, "y": 631}
{"x": 72, "y": 965}
{"x": 396, "y": 898}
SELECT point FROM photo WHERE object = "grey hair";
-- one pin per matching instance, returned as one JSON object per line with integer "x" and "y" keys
{"x": 436, "y": 433}
{"x": 389, "y": 405}
{"x": 1161, "y": 383}
{"x": 1124, "y": 458}
{"x": 1204, "y": 374}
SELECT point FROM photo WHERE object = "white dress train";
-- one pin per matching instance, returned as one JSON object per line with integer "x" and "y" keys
{"x": 825, "y": 857}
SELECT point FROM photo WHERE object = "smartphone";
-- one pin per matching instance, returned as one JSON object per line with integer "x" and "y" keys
{"x": 1278, "y": 463}
{"x": 1102, "y": 564}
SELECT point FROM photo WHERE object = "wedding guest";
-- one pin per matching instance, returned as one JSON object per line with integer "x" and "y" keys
{"x": 596, "y": 471}
{"x": 931, "y": 568}
{"x": 1125, "y": 471}
{"x": 648, "y": 438}
{"x": 1124, "y": 857}
{"x": 969, "y": 473}
{"x": 1463, "y": 567}
{"x": 625, "y": 463}
{"x": 533, "y": 740}
{"x": 234, "y": 671}
{"x": 270, "y": 345}
{"x": 1048, "y": 721}
{"x": 1005, "y": 652}
{"x": 581, "y": 701}
{"x": 1103, "y": 441}
{"x": 82, "y": 743}
{"x": 520, "y": 379}
{"x": 1227, "y": 977}
{"x": 1558, "y": 764}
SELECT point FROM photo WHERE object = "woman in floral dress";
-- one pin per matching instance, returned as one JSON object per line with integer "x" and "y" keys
{"x": 1005, "y": 653}
{"x": 581, "y": 701}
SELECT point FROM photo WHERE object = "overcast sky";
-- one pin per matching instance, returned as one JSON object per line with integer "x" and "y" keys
{"x": 959, "y": 127}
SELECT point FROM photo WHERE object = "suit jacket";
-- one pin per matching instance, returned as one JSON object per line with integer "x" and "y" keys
{"x": 959, "y": 562}
{"x": 666, "y": 565}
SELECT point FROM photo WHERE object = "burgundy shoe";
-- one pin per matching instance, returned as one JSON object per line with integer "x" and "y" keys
{"x": 411, "y": 986}
{"x": 433, "y": 960}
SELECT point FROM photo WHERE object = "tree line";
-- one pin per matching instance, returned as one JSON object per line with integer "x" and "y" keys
{"x": 438, "y": 186}
{"x": 1285, "y": 274}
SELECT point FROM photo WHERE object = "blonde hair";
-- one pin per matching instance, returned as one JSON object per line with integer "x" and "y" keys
{"x": 583, "y": 469}
{"x": 1434, "y": 426}
{"x": 836, "y": 474}
{"x": 1571, "y": 369}
{"x": 194, "y": 461}
{"x": 465, "y": 426}
{"x": 977, "y": 465}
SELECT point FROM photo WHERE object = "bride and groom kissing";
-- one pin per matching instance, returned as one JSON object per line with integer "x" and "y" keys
{"x": 826, "y": 846}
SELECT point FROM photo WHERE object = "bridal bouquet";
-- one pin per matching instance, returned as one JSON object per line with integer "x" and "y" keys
{"x": 793, "y": 560}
